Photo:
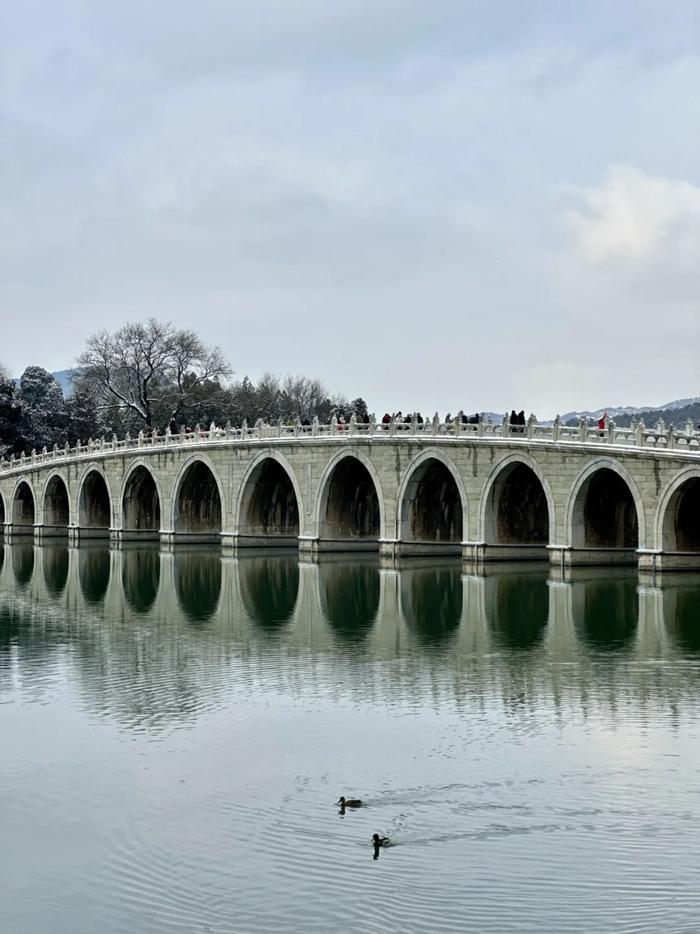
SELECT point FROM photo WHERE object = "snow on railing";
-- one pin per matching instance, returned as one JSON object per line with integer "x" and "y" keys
{"x": 586, "y": 432}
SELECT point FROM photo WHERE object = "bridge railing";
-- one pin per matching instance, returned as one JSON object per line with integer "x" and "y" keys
{"x": 586, "y": 432}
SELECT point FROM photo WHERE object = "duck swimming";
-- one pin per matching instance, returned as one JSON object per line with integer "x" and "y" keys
{"x": 349, "y": 802}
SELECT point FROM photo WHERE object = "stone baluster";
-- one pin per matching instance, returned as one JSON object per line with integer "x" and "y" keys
{"x": 582, "y": 428}
{"x": 505, "y": 425}
{"x": 671, "y": 437}
{"x": 315, "y": 426}
{"x": 353, "y": 424}
{"x": 639, "y": 434}
{"x": 436, "y": 424}
{"x": 556, "y": 426}
{"x": 610, "y": 431}
{"x": 392, "y": 425}
{"x": 531, "y": 422}
{"x": 140, "y": 439}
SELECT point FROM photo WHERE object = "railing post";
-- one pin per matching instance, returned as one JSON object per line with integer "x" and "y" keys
{"x": 315, "y": 425}
{"x": 610, "y": 426}
{"x": 531, "y": 422}
{"x": 671, "y": 437}
{"x": 582, "y": 428}
{"x": 639, "y": 434}
{"x": 556, "y": 425}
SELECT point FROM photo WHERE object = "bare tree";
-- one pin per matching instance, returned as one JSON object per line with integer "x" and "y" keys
{"x": 152, "y": 371}
{"x": 302, "y": 396}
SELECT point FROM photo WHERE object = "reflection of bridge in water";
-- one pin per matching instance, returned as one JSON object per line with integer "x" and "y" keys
{"x": 143, "y": 620}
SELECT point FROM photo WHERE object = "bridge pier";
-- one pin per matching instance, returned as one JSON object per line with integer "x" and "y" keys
{"x": 78, "y": 534}
{"x": 479, "y": 552}
{"x": 44, "y": 533}
{"x": 566, "y": 556}
{"x": 653, "y": 561}
{"x": 117, "y": 536}
{"x": 18, "y": 533}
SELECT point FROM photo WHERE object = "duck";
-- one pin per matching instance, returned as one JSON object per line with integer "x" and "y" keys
{"x": 380, "y": 841}
{"x": 349, "y": 802}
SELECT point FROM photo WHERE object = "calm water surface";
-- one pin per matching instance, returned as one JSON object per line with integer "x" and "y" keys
{"x": 177, "y": 727}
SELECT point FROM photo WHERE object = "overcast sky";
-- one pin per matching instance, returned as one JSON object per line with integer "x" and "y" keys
{"x": 434, "y": 204}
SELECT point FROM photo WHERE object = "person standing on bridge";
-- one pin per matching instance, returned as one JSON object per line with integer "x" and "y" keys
{"x": 602, "y": 421}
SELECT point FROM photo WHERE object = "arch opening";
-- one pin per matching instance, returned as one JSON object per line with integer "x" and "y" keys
{"x": 269, "y": 511}
{"x": 140, "y": 505}
{"x": 350, "y": 510}
{"x": 94, "y": 508}
{"x": 516, "y": 511}
{"x": 605, "y": 514}
{"x": 23, "y": 510}
{"x": 198, "y": 505}
{"x": 431, "y": 509}
{"x": 681, "y": 522}
{"x": 56, "y": 509}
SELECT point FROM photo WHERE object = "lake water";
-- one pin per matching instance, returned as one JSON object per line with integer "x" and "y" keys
{"x": 176, "y": 729}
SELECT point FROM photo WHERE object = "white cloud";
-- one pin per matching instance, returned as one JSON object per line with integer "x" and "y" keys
{"x": 637, "y": 218}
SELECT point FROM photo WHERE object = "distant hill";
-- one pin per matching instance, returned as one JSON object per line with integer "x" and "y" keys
{"x": 64, "y": 378}
{"x": 676, "y": 413}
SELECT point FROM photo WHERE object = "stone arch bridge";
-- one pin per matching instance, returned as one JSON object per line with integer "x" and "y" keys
{"x": 488, "y": 492}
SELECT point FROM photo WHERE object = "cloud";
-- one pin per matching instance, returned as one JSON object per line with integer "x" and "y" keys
{"x": 637, "y": 218}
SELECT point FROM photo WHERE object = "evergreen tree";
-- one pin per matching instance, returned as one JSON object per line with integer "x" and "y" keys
{"x": 43, "y": 409}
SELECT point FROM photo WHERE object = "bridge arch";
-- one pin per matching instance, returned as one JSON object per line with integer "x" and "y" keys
{"x": 23, "y": 506}
{"x": 677, "y": 521}
{"x": 605, "y": 508}
{"x": 350, "y": 502}
{"x": 94, "y": 502}
{"x": 517, "y": 505}
{"x": 198, "y": 501}
{"x": 269, "y": 503}
{"x": 141, "y": 499}
{"x": 55, "y": 510}
{"x": 432, "y": 501}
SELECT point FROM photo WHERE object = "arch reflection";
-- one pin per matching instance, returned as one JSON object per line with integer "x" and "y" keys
{"x": 349, "y": 597}
{"x": 23, "y": 563}
{"x": 607, "y": 611}
{"x": 431, "y": 601}
{"x": 198, "y": 583}
{"x": 681, "y": 609}
{"x": 93, "y": 572}
{"x": 518, "y": 609}
{"x": 269, "y": 589}
{"x": 141, "y": 577}
{"x": 55, "y": 565}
